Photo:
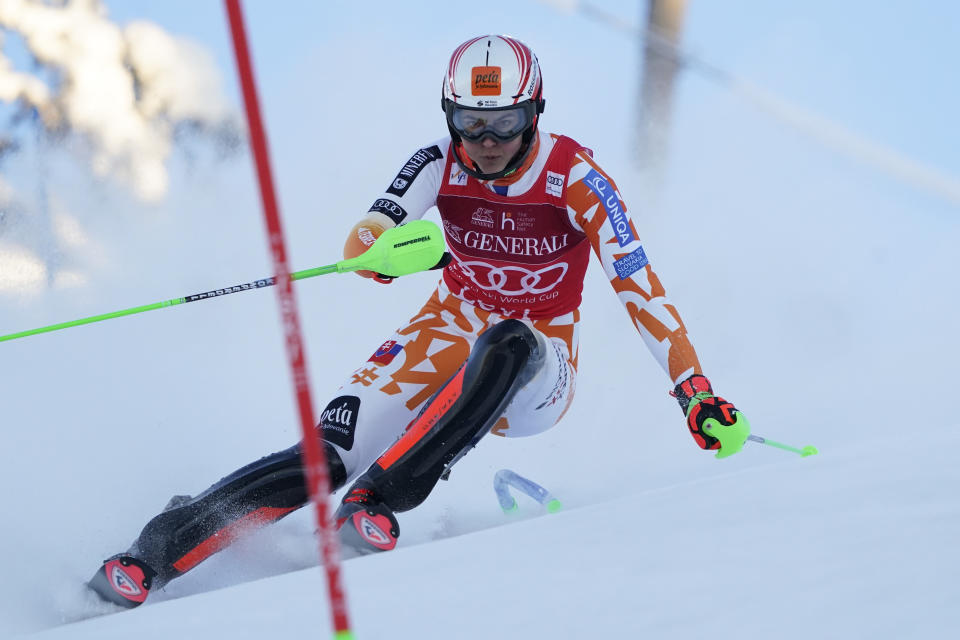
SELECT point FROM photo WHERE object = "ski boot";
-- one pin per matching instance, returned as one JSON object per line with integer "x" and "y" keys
{"x": 123, "y": 580}
{"x": 365, "y": 523}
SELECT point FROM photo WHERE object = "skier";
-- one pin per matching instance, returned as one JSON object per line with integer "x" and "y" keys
{"x": 493, "y": 350}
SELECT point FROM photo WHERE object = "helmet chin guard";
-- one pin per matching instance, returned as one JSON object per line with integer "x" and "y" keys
{"x": 493, "y": 73}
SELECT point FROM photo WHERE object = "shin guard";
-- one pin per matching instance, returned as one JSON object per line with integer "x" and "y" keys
{"x": 503, "y": 359}
{"x": 190, "y": 530}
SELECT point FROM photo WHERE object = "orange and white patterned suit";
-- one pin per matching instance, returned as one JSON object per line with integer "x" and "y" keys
{"x": 520, "y": 249}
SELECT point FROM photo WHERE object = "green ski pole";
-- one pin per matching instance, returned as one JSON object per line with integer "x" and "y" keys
{"x": 415, "y": 246}
{"x": 808, "y": 450}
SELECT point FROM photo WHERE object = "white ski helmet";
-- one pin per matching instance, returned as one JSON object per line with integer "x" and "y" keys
{"x": 492, "y": 88}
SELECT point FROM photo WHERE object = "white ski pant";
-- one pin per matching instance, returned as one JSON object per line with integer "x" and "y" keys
{"x": 383, "y": 395}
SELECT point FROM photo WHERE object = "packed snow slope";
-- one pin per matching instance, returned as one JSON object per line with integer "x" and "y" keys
{"x": 820, "y": 295}
{"x": 844, "y": 545}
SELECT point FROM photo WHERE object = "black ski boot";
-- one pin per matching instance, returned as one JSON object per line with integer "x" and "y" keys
{"x": 365, "y": 523}
{"x": 123, "y": 580}
{"x": 190, "y": 529}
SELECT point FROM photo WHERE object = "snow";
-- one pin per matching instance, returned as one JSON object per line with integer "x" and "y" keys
{"x": 820, "y": 294}
{"x": 842, "y": 545}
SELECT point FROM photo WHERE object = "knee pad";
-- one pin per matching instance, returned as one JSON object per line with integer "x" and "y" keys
{"x": 509, "y": 340}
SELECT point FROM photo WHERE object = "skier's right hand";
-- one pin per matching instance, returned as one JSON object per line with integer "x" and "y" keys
{"x": 361, "y": 238}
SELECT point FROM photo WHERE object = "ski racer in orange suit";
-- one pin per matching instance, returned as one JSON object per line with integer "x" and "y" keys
{"x": 493, "y": 351}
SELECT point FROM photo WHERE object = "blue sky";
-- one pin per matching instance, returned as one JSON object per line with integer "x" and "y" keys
{"x": 885, "y": 69}
{"x": 349, "y": 90}
{"x": 880, "y": 70}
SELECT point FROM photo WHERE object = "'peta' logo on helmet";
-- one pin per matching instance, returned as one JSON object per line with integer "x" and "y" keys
{"x": 486, "y": 81}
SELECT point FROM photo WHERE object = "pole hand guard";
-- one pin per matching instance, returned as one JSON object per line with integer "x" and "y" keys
{"x": 399, "y": 251}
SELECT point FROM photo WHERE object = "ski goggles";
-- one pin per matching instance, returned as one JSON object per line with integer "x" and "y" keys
{"x": 503, "y": 124}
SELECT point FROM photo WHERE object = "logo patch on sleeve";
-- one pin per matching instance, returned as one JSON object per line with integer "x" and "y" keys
{"x": 386, "y": 353}
{"x": 390, "y": 209}
{"x": 412, "y": 169}
{"x": 631, "y": 263}
{"x": 616, "y": 213}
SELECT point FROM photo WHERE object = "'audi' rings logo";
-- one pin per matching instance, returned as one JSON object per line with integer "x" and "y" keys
{"x": 504, "y": 279}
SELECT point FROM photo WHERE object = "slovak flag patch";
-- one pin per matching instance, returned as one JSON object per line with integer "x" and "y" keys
{"x": 387, "y": 352}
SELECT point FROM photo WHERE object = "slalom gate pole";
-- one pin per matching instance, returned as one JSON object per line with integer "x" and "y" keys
{"x": 317, "y": 473}
{"x": 416, "y": 246}
{"x": 808, "y": 450}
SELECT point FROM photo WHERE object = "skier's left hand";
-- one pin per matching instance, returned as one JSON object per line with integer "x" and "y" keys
{"x": 361, "y": 238}
{"x": 714, "y": 423}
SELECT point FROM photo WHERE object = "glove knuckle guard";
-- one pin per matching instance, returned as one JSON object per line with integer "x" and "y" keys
{"x": 695, "y": 419}
{"x": 699, "y": 404}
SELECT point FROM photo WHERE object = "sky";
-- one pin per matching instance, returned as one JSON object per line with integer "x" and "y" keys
{"x": 815, "y": 283}
{"x": 881, "y": 70}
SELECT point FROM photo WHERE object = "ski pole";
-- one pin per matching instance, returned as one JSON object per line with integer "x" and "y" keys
{"x": 409, "y": 248}
{"x": 808, "y": 450}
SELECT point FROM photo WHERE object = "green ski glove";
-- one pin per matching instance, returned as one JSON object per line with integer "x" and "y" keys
{"x": 714, "y": 423}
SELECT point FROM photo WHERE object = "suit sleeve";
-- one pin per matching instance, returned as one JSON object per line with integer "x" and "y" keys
{"x": 595, "y": 205}
{"x": 409, "y": 196}
{"x": 414, "y": 189}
